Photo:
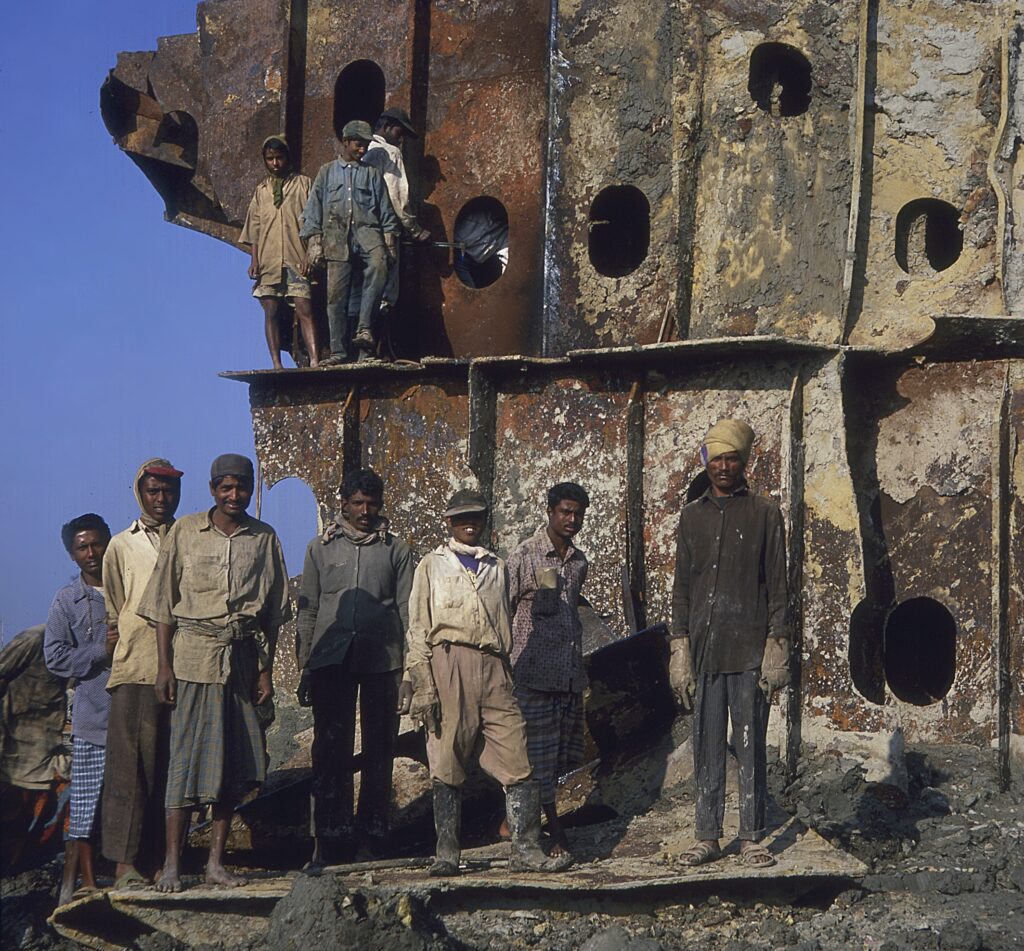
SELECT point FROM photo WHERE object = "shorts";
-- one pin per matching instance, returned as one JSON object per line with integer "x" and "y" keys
{"x": 294, "y": 285}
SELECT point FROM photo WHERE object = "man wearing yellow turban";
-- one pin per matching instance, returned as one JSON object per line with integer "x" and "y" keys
{"x": 730, "y": 639}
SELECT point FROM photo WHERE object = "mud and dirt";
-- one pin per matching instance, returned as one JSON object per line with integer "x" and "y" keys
{"x": 946, "y": 872}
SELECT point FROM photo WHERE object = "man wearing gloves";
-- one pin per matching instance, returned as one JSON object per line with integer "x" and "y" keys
{"x": 730, "y": 640}
{"x": 135, "y": 773}
{"x": 457, "y": 661}
{"x": 353, "y": 613}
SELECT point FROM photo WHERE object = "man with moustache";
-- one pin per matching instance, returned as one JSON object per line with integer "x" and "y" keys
{"x": 218, "y": 596}
{"x": 730, "y": 638}
{"x": 139, "y": 726}
{"x": 350, "y": 639}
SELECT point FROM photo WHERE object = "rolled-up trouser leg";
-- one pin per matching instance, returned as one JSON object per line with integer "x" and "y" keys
{"x": 334, "y": 723}
{"x": 710, "y": 722}
{"x": 339, "y": 277}
{"x": 378, "y": 709}
{"x": 749, "y": 711}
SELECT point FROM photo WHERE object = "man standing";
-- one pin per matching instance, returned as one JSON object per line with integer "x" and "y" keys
{"x": 385, "y": 154}
{"x": 77, "y": 644}
{"x": 349, "y": 216}
{"x": 220, "y": 589}
{"x": 546, "y": 573}
{"x": 353, "y": 614}
{"x": 730, "y": 641}
{"x": 139, "y": 725}
{"x": 458, "y": 666}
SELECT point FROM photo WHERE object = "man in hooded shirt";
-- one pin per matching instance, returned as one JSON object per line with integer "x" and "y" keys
{"x": 350, "y": 639}
{"x": 730, "y": 638}
{"x": 139, "y": 725}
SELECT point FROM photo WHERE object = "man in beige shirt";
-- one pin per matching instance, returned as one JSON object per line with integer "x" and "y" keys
{"x": 457, "y": 662}
{"x": 220, "y": 590}
{"x": 135, "y": 772}
{"x": 279, "y": 264}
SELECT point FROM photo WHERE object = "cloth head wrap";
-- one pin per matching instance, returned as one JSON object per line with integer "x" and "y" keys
{"x": 727, "y": 435}
{"x": 162, "y": 469}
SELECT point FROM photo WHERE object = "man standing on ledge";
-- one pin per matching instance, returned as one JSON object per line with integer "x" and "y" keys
{"x": 730, "y": 641}
{"x": 349, "y": 216}
{"x": 220, "y": 589}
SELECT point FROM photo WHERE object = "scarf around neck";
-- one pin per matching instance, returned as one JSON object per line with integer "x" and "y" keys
{"x": 341, "y": 525}
{"x": 160, "y": 528}
{"x": 472, "y": 551}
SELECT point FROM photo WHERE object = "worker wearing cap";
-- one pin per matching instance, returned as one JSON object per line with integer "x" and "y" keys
{"x": 457, "y": 663}
{"x": 348, "y": 218}
{"x": 385, "y": 153}
{"x": 138, "y": 727}
{"x": 220, "y": 590}
{"x": 730, "y": 638}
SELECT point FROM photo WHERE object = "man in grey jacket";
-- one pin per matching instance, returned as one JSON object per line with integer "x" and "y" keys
{"x": 353, "y": 613}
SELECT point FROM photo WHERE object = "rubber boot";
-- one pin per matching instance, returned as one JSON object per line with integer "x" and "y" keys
{"x": 447, "y": 825}
{"x": 522, "y": 807}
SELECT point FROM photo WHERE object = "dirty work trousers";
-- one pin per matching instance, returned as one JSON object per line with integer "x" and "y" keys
{"x": 334, "y": 689}
{"x": 479, "y": 717}
{"x": 339, "y": 283}
{"x": 718, "y": 696}
{"x": 135, "y": 776}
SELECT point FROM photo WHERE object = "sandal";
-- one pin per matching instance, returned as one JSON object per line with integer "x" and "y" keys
{"x": 84, "y": 891}
{"x": 131, "y": 881}
{"x": 700, "y": 853}
{"x": 755, "y": 855}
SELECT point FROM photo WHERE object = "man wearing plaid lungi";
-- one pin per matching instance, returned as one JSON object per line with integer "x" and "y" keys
{"x": 220, "y": 590}
{"x": 77, "y": 644}
{"x": 546, "y": 573}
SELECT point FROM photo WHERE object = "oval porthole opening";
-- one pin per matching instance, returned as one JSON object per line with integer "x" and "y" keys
{"x": 481, "y": 236}
{"x": 780, "y": 79}
{"x": 928, "y": 237}
{"x": 619, "y": 230}
{"x": 920, "y": 651}
{"x": 358, "y": 94}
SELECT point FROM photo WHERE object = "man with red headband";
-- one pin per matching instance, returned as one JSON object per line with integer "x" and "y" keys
{"x": 138, "y": 728}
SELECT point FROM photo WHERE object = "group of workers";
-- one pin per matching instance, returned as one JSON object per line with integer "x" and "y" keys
{"x": 350, "y": 222}
{"x": 170, "y": 628}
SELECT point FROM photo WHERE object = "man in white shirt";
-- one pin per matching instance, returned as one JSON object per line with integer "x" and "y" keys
{"x": 385, "y": 153}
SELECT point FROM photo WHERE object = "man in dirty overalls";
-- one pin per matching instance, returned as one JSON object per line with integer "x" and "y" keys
{"x": 730, "y": 639}
{"x": 349, "y": 219}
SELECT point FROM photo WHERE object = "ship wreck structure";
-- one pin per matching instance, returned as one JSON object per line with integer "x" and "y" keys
{"x": 805, "y": 213}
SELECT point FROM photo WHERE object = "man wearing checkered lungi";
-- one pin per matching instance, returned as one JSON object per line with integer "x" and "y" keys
{"x": 77, "y": 644}
{"x": 218, "y": 595}
{"x": 546, "y": 573}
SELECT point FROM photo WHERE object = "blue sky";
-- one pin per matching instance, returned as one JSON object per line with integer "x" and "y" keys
{"x": 115, "y": 322}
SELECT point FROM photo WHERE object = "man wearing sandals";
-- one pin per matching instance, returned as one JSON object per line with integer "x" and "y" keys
{"x": 730, "y": 641}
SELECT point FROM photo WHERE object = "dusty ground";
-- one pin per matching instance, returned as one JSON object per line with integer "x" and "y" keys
{"x": 946, "y": 873}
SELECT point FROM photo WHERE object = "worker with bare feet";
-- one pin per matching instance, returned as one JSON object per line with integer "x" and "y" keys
{"x": 730, "y": 639}
{"x": 220, "y": 591}
{"x": 546, "y": 573}
{"x": 139, "y": 727}
{"x": 279, "y": 264}
{"x": 77, "y": 644}
{"x": 457, "y": 666}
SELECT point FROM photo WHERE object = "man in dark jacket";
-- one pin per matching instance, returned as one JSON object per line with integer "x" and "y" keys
{"x": 353, "y": 613}
{"x": 730, "y": 642}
